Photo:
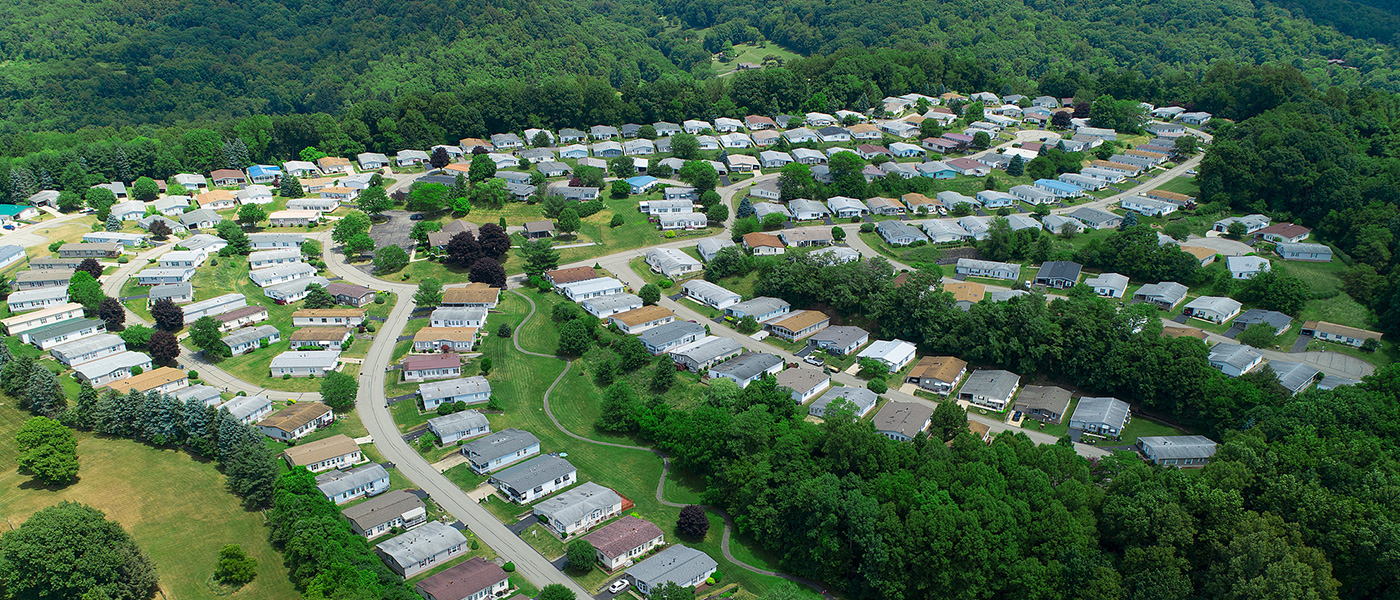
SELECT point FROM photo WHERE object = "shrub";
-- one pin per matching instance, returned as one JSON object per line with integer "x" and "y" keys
{"x": 867, "y": 227}
{"x": 508, "y": 567}
{"x": 369, "y": 326}
{"x": 123, "y": 260}
{"x": 670, "y": 234}
{"x": 379, "y": 298}
{"x": 194, "y": 374}
{"x": 877, "y": 385}
{"x": 504, "y": 330}
{"x": 286, "y": 376}
{"x": 665, "y": 284}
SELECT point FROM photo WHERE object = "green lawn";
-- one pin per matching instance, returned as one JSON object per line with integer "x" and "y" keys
{"x": 544, "y": 541}
{"x": 176, "y": 507}
{"x": 463, "y": 476}
{"x": 1182, "y": 185}
{"x": 749, "y": 53}
{"x": 1141, "y": 426}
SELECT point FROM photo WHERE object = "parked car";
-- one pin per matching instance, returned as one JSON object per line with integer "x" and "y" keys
{"x": 416, "y": 217}
{"x": 617, "y": 586}
{"x": 812, "y": 360}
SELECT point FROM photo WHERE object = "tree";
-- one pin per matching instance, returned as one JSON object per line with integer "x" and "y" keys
{"x": 491, "y": 194}
{"x": 620, "y": 189}
{"x": 482, "y": 168}
{"x": 574, "y": 337}
{"x": 1259, "y": 335}
{"x": 494, "y": 240}
{"x": 113, "y": 313}
{"x": 488, "y": 271}
{"x": 338, "y": 391}
{"x": 235, "y": 567}
{"x": 485, "y": 366}
{"x": 69, "y": 201}
{"x": 1017, "y": 166}
{"x": 568, "y": 222}
{"x": 163, "y": 347}
{"x": 693, "y": 523}
{"x": 947, "y": 422}
{"x": 233, "y": 234}
{"x": 463, "y": 250}
{"x": 1061, "y": 120}
{"x": 846, "y": 173}
{"x": 622, "y": 167}
{"x": 100, "y": 200}
{"x": 1270, "y": 290}
{"x": 745, "y": 209}
{"x": 318, "y": 297}
{"x": 582, "y": 556}
{"x": 136, "y": 336}
{"x": 439, "y": 158}
{"x": 930, "y": 128}
{"x": 252, "y": 473}
{"x": 540, "y": 256}
{"x": 504, "y": 330}
{"x": 981, "y": 140}
{"x": 717, "y": 213}
{"x": 91, "y": 267}
{"x": 84, "y": 289}
{"x": 145, "y": 189}
{"x": 663, "y": 377}
{"x": 838, "y": 234}
{"x": 650, "y": 294}
{"x": 747, "y": 325}
{"x": 205, "y": 335}
{"x": 359, "y": 244}
{"x": 251, "y": 214}
{"x": 113, "y": 223}
{"x": 43, "y": 393}
{"x": 429, "y": 293}
{"x": 429, "y": 197}
{"x": 684, "y": 146}
{"x": 672, "y": 591}
{"x": 311, "y": 154}
{"x": 159, "y": 230}
{"x": 168, "y": 315}
{"x": 290, "y": 187}
{"x": 557, "y": 591}
{"x": 699, "y": 174}
{"x": 71, "y": 550}
{"x": 389, "y": 259}
{"x": 350, "y": 226}
{"x": 421, "y": 229}
{"x": 47, "y": 450}
{"x": 374, "y": 201}
{"x": 1185, "y": 147}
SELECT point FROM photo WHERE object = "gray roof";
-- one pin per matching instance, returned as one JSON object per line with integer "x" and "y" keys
{"x": 1293, "y": 375}
{"x": 250, "y": 334}
{"x": 1109, "y": 411}
{"x": 1059, "y": 269}
{"x": 677, "y": 564}
{"x": 711, "y": 292}
{"x": 43, "y": 293}
{"x": 335, "y": 481}
{"x": 1093, "y": 215}
{"x": 898, "y": 229}
{"x": 761, "y": 305}
{"x": 575, "y": 504}
{"x": 905, "y": 418}
{"x": 748, "y": 365}
{"x": 458, "y": 422}
{"x": 660, "y": 335}
{"x": 1170, "y": 292}
{"x": 311, "y": 358}
{"x": 712, "y": 246}
{"x": 990, "y": 383}
{"x": 802, "y": 380}
{"x": 534, "y": 472}
{"x": 499, "y": 444}
{"x": 1042, "y": 397}
{"x": 113, "y": 362}
{"x": 61, "y": 328}
{"x": 243, "y": 406}
{"x": 839, "y": 335}
{"x": 207, "y": 394}
{"x": 1178, "y": 446}
{"x": 295, "y": 238}
{"x": 863, "y": 399}
{"x": 1275, "y": 319}
{"x": 612, "y": 302}
{"x": 201, "y": 241}
{"x": 422, "y": 543}
{"x": 1332, "y": 381}
{"x": 259, "y": 276}
{"x": 381, "y": 509}
{"x": 171, "y": 290}
{"x": 449, "y": 313}
{"x": 288, "y": 289}
{"x": 197, "y": 216}
{"x": 87, "y": 344}
{"x": 453, "y": 387}
{"x": 711, "y": 349}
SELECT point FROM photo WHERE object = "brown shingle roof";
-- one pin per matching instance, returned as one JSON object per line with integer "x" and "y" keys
{"x": 319, "y": 334}
{"x": 463, "y": 580}
{"x": 970, "y": 291}
{"x": 759, "y": 239}
{"x": 1335, "y": 329}
{"x": 295, "y": 416}
{"x": 319, "y": 450}
{"x": 1165, "y": 195}
{"x": 942, "y": 368}
{"x": 454, "y": 334}
{"x": 1198, "y": 252}
{"x": 476, "y": 293}
{"x": 801, "y": 320}
{"x": 571, "y": 275}
{"x": 337, "y": 288}
{"x": 432, "y": 361}
{"x": 645, "y": 314}
{"x": 212, "y": 196}
{"x": 622, "y": 535}
{"x": 147, "y": 381}
{"x": 239, "y": 313}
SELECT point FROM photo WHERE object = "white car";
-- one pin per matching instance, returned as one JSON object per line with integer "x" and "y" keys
{"x": 617, "y": 586}
{"x": 812, "y": 360}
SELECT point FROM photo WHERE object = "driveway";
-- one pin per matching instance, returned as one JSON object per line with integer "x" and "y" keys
{"x": 1220, "y": 245}
{"x": 395, "y": 231}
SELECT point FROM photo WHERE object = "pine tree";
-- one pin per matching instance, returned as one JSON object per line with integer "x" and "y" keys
{"x": 290, "y": 187}
{"x": 45, "y": 181}
{"x": 252, "y": 473}
{"x": 745, "y": 208}
{"x": 45, "y": 395}
{"x": 231, "y": 436}
{"x": 82, "y": 413}
{"x": 113, "y": 223}
{"x": 106, "y": 416}
{"x": 128, "y": 408}
{"x": 5, "y": 355}
{"x": 14, "y": 378}
{"x": 230, "y": 158}
{"x": 18, "y": 187}
{"x": 240, "y": 152}
{"x": 123, "y": 166}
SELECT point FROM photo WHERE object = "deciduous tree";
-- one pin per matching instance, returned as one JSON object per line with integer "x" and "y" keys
{"x": 47, "y": 450}
{"x": 693, "y": 523}
{"x": 389, "y": 259}
{"x": 650, "y": 294}
{"x": 205, "y": 335}
{"x": 494, "y": 241}
{"x": 540, "y": 256}
{"x": 163, "y": 347}
{"x": 488, "y": 271}
{"x": 318, "y": 297}
{"x": 71, "y": 550}
{"x": 113, "y": 313}
{"x": 338, "y": 391}
{"x": 429, "y": 293}
{"x": 168, "y": 315}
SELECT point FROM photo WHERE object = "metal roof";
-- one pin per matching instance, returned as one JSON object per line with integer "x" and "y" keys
{"x": 250, "y": 334}
{"x": 747, "y": 366}
{"x": 1168, "y": 447}
{"x": 677, "y": 564}
{"x": 458, "y": 422}
{"x": 861, "y": 398}
{"x": 499, "y": 444}
{"x": 1109, "y": 411}
{"x": 990, "y": 383}
{"x": 573, "y": 505}
{"x": 335, "y": 481}
{"x": 453, "y": 387}
{"x": 534, "y": 472}
{"x": 420, "y": 544}
{"x": 325, "y": 359}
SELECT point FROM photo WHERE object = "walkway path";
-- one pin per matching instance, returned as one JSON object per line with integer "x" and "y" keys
{"x": 665, "y": 461}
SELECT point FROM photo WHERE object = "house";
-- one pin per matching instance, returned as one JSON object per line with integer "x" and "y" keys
{"x": 281, "y": 273}
{"x": 336, "y": 452}
{"x": 621, "y": 542}
{"x": 1252, "y": 223}
{"x": 214, "y": 306}
{"x": 420, "y": 549}
{"x": 970, "y": 267}
{"x": 921, "y": 204}
{"x": 1108, "y": 285}
{"x": 937, "y": 374}
{"x": 28, "y": 280}
{"x": 328, "y": 317}
{"x": 1341, "y": 334}
{"x": 899, "y": 233}
{"x": 1058, "y": 274}
{"x": 162, "y": 380}
{"x": 1307, "y": 252}
{"x": 1278, "y": 321}
{"x": 862, "y": 401}
{"x": 296, "y": 421}
{"x": 264, "y": 241}
{"x": 246, "y": 340}
{"x": 201, "y": 394}
{"x": 445, "y": 339}
{"x": 460, "y": 425}
{"x": 701, "y": 355}
{"x": 1104, "y": 416}
{"x": 352, "y": 484}
{"x": 894, "y": 354}
{"x": 435, "y": 366}
{"x": 747, "y": 368}
{"x": 902, "y": 421}
{"x": 240, "y": 317}
{"x": 885, "y": 206}
{"x": 1294, "y": 376}
{"x": 709, "y": 247}
{"x": 579, "y": 291}
{"x": 372, "y": 161}
{"x": 248, "y": 409}
{"x": 559, "y": 277}
{"x": 1331, "y": 382}
{"x": 804, "y": 383}
{"x": 761, "y": 309}
{"x": 637, "y": 320}
{"x": 37, "y": 298}
{"x": 507, "y": 141}
{"x": 1149, "y": 207}
{"x": 1283, "y": 232}
{"x": 990, "y": 388}
{"x": 579, "y": 509}
{"x": 765, "y": 138}
{"x": 11, "y": 254}
{"x": 350, "y": 294}
{"x": 329, "y": 338}
{"x": 806, "y": 237}
{"x": 53, "y": 334}
{"x": 19, "y": 325}
{"x": 969, "y": 167}
{"x": 771, "y": 159}
{"x": 160, "y": 276}
{"x": 710, "y": 294}
{"x": 307, "y": 363}
{"x": 681, "y": 565}
{"x": 109, "y": 368}
{"x": 611, "y": 304}
{"x": 671, "y": 262}
{"x": 457, "y": 317}
{"x": 90, "y": 250}
{"x": 638, "y": 147}
{"x": 1195, "y": 118}
{"x": 840, "y": 340}
{"x": 798, "y": 325}
{"x": 182, "y": 258}
{"x": 1216, "y": 309}
{"x": 844, "y": 207}
{"x": 1246, "y": 267}
{"x": 1094, "y": 218}
{"x": 397, "y": 509}
{"x": 1166, "y": 295}
{"x": 802, "y": 135}
{"x": 500, "y": 449}
{"x": 89, "y": 349}
{"x": 535, "y": 478}
{"x": 670, "y": 336}
{"x": 763, "y": 209}
{"x": 1234, "y": 359}
{"x": 478, "y": 295}
{"x": 1176, "y": 450}
{"x": 807, "y": 210}
{"x": 679, "y": 192}
{"x": 1043, "y": 403}
{"x": 227, "y": 177}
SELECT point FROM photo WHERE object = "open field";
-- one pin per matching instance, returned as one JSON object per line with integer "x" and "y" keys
{"x": 749, "y": 53}
{"x": 1181, "y": 185}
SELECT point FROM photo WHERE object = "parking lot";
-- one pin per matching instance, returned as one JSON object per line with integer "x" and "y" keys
{"x": 395, "y": 231}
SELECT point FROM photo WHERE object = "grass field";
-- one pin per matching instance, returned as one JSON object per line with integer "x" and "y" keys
{"x": 749, "y": 53}
{"x": 180, "y": 522}
{"x": 1181, "y": 185}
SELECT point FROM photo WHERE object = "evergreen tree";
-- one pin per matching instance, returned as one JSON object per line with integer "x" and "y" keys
{"x": 252, "y": 474}
{"x": 540, "y": 256}
{"x": 429, "y": 293}
{"x": 459, "y": 186}
{"x": 113, "y": 223}
{"x": 745, "y": 208}
{"x": 318, "y": 297}
{"x": 45, "y": 181}
{"x": 82, "y": 413}
{"x": 44, "y": 394}
{"x": 1017, "y": 167}
{"x": 290, "y": 187}
{"x": 15, "y": 376}
{"x": 240, "y": 153}
{"x": 123, "y": 166}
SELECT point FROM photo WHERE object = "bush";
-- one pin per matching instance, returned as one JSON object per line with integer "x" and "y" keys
{"x": 379, "y": 298}
{"x": 504, "y": 330}
{"x": 194, "y": 374}
{"x": 867, "y": 227}
{"x": 123, "y": 259}
{"x": 508, "y": 567}
{"x": 665, "y": 284}
{"x": 369, "y": 326}
{"x": 670, "y": 234}
{"x": 877, "y": 385}
{"x": 286, "y": 376}
{"x": 616, "y": 221}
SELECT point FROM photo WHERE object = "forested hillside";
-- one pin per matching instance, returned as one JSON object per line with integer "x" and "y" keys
{"x": 73, "y": 63}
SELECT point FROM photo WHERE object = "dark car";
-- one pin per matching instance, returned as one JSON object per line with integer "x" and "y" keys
{"x": 416, "y": 217}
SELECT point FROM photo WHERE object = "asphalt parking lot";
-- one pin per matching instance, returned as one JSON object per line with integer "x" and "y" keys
{"x": 395, "y": 231}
